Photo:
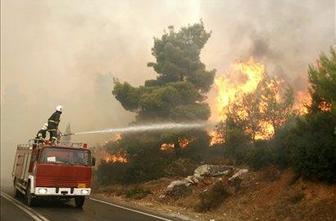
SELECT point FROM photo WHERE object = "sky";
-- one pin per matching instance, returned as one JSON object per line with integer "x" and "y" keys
{"x": 68, "y": 52}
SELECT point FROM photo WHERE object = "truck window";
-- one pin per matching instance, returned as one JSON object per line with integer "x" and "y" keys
{"x": 56, "y": 155}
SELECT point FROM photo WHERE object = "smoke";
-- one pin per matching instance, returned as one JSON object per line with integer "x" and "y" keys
{"x": 67, "y": 52}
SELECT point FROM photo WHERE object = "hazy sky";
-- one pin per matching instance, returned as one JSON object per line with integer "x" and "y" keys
{"x": 68, "y": 51}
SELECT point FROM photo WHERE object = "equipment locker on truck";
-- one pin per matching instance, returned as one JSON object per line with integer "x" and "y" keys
{"x": 48, "y": 170}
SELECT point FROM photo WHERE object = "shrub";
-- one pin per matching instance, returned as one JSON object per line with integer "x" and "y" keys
{"x": 313, "y": 148}
{"x": 137, "y": 193}
{"x": 213, "y": 197}
{"x": 180, "y": 167}
{"x": 259, "y": 155}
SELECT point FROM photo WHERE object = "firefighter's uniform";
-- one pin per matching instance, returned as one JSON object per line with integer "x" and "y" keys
{"x": 41, "y": 135}
{"x": 53, "y": 122}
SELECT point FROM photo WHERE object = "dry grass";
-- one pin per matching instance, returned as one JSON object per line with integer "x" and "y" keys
{"x": 282, "y": 197}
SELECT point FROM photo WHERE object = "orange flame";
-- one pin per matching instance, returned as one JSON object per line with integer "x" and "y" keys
{"x": 167, "y": 146}
{"x": 215, "y": 138}
{"x": 302, "y": 102}
{"x": 242, "y": 78}
{"x": 115, "y": 158}
{"x": 183, "y": 142}
{"x": 325, "y": 106}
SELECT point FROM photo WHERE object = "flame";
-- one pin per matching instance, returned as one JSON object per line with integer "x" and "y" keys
{"x": 325, "y": 106}
{"x": 115, "y": 158}
{"x": 242, "y": 78}
{"x": 183, "y": 142}
{"x": 216, "y": 138}
{"x": 302, "y": 102}
{"x": 167, "y": 146}
{"x": 267, "y": 131}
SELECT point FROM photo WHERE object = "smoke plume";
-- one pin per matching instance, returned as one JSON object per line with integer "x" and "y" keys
{"x": 68, "y": 52}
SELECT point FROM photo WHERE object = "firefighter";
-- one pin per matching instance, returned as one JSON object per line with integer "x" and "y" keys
{"x": 53, "y": 122}
{"x": 41, "y": 134}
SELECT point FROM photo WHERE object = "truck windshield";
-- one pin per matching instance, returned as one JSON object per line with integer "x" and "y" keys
{"x": 54, "y": 155}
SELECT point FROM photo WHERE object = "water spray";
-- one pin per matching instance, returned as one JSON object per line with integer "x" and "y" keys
{"x": 143, "y": 128}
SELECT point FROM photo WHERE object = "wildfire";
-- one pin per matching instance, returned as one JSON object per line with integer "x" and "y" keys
{"x": 302, "y": 102}
{"x": 183, "y": 142}
{"x": 167, "y": 146}
{"x": 325, "y": 106}
{"x": 115, "y": 158}
{"x": 216, "y": 138}
{"x": 242, "y": 78}
{"x": 266, "y": 132}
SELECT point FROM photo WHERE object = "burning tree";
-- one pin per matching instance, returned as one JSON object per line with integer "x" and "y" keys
{"x": 255, "y": 107}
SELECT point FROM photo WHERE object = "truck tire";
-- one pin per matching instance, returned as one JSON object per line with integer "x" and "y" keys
{"x": 16, "y": 191}
{"x": 30, "y": 200}
{"x": 79, "y": 201}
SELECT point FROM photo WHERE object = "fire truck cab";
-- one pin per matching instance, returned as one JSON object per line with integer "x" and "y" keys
{"x": 48, "y": 170}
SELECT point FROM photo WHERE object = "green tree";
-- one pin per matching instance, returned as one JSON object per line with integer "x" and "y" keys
{"x": 322, "y": 79}
{"x": 177, "y": 94}
{"x": 313, "y": 140}
{"x": 179, "y": 91}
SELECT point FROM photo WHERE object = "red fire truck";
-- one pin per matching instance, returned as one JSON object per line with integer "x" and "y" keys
{"x": 53, "y": 170}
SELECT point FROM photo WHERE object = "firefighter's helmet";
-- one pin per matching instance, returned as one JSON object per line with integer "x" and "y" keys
{"x": 59, "y": 108}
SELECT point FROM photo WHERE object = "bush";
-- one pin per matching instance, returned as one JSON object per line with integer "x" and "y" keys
{"x": 213, "y": 197}
{"x": 108, "y": 173}
{"x": 313, "y": 147}
{"x": 259, "y": 155}
{"x": 180, "y": 167}
{"x": 137, "y": 193}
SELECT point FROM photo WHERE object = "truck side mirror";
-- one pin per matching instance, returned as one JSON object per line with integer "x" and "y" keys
{"x": 93, "y": 161}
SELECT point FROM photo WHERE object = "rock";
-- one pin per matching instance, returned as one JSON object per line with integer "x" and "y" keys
{"x": 176, "y": 183}
{"x": 212, "y": 170}
{"x": 238, "y": 174}
{"x": 178, "y": 187}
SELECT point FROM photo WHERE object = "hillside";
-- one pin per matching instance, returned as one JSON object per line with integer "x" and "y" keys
{"x": 268, "y": 194}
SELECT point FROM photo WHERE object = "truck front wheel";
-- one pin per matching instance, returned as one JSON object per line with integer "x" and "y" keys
{"x": 29, "y": 197}
{"x": 16, "y": 191}
{"x": 79, "y": 201}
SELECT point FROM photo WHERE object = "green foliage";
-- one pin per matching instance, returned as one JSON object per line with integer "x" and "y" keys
{"x": 178, "y": 92}
{"x": 311, "y": 144}
{"x": 212, "y": 198}
{"x": 323, "y": 82}
{"x": 313, "y": 152}
{"x": 108, "y": 173}
{"x": 313, "y": 147}
{"x": 259, "y": 155}
{"x": 178, "y": 57}
{"x": 181, "y": 167}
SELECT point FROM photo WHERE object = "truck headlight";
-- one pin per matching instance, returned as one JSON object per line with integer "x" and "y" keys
{"x": 42, "y": 190}
{"x": 84, "y": 192}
